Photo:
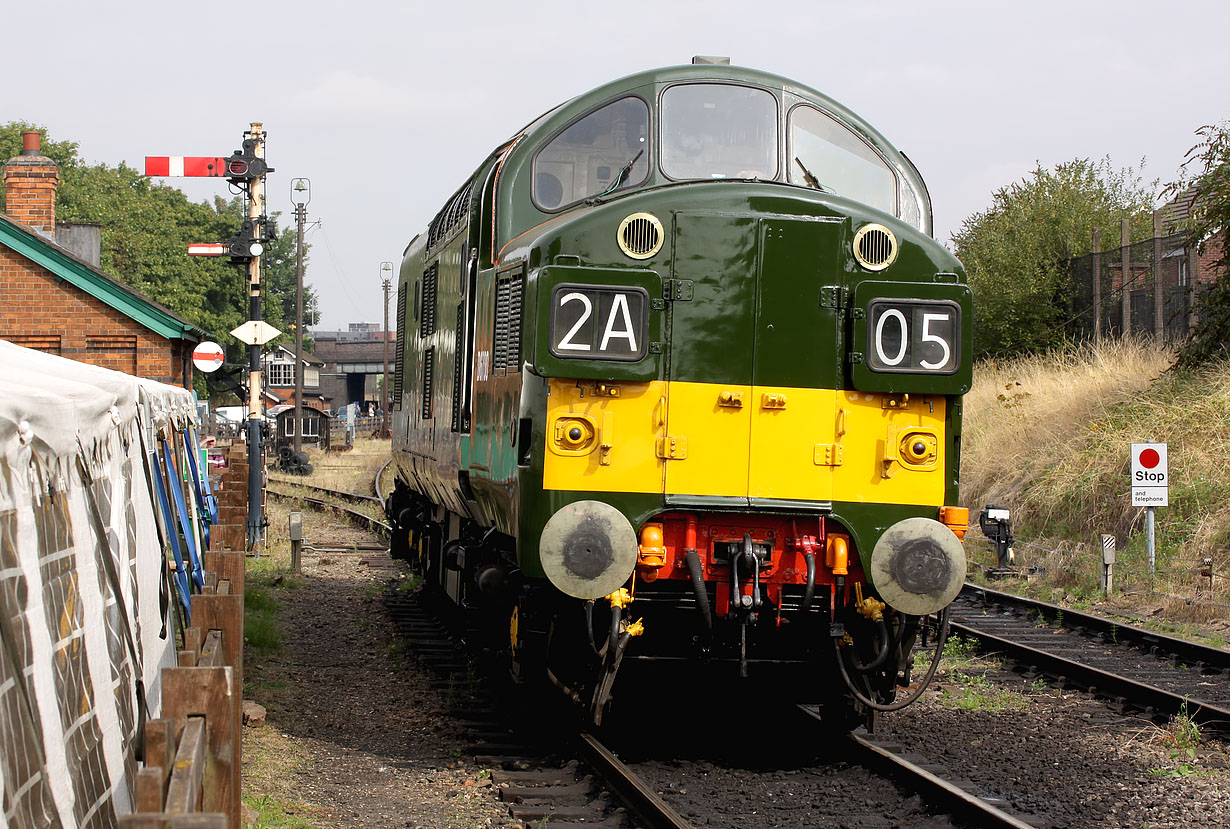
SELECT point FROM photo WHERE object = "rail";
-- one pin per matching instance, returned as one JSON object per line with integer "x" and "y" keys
{"x": 1139, "y": 688}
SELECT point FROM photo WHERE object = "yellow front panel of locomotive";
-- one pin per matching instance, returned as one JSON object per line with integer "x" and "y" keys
{"x": 792, "y": 446}
{"x": 877, "y": 433}
{"x": 707, "y": 439}
{"x": 603, "y": 437}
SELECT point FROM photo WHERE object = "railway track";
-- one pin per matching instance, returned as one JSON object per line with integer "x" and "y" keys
{"x": 1134, "y": 668}
{"x": 577, "y": 779}
{"x": 548, "y": 770}
{"x": 330, "y": 501}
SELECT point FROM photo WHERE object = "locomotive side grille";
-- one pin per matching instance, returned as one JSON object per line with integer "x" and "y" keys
{"x": 500, "y": 347}
{"x": 640, "y": 235}
{"x": 399, "y": 351}
{"x": 513, "y": 352}
{"x": 427, "y": 315}
{"x": 875, "y": 247}
{"x": 508, "y": 302}
{"x": 450, "y": 215}
{"x": 458, "y": 353}
{"x": 429, "y": 371}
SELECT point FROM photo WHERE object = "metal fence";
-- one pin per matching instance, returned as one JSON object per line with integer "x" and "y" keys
{"x": 1145, "y": 289}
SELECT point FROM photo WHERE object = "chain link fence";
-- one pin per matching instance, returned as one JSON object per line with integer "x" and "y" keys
{"x": 1145, "y": 290}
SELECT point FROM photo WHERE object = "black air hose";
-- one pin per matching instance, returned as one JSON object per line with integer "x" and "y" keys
{"x": 698, "y": 587}
{"x": 896, "y": 706}
{"x": 589, "y": 625}
{"x": 885, "y": 642}
{"x": 810, "y": 591}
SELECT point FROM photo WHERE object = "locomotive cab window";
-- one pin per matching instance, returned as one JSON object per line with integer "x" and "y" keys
{"x": 715, "y": 131}
{"x": 605, "y": 151}
{"x": 829, "y": 156}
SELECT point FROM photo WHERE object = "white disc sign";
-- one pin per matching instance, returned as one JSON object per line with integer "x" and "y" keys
{"x": 208, "y": 356}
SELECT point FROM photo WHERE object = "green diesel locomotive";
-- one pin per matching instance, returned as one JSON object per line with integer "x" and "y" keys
{"x": 679, "y": 376}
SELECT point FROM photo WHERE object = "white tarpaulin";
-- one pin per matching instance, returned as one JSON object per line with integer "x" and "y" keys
{"x": 83, "y": 624}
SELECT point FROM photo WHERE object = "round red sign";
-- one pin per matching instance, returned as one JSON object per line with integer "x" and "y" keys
{"x": 208, "y": 356}
{"x": 1149, "y": 458}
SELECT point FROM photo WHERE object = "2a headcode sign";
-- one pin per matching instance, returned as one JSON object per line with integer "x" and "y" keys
{"x": 1150, "y": 475}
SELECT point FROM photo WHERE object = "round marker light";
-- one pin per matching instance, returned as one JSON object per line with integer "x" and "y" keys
{"x": 575, "y": 434}
{"x": 257, "y": 248}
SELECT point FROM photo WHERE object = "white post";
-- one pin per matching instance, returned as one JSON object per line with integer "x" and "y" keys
{"x": 1149, "y": 540}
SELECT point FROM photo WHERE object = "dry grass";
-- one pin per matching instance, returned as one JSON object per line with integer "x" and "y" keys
{"x": 1049, "y": 437}
{"x": 1023, "y": 415}
{"x": 350, "y": 471}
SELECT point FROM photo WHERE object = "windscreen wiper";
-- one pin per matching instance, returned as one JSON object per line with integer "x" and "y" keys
{"x": 811, "y": 180}
{"x": 623, "y": 173}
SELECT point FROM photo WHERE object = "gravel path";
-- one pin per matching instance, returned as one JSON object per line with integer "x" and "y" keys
{"x": 355, "y": 731}
{"x": 1071, "y": 761}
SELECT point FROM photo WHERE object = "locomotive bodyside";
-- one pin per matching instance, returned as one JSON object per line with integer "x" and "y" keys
{"x": 732, "y": 399}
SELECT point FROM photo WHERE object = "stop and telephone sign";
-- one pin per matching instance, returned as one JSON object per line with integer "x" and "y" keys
{"x": 1150, "y": 475}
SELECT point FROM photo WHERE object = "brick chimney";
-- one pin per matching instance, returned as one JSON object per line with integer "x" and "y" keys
{"x": 30, "y": 182}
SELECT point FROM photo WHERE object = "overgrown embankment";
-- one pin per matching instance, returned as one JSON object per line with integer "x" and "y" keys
{"x": 1049, "y": 436}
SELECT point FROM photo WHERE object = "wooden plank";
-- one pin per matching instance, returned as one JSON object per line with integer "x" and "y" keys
{"x": 164, "y": 820}
{"x": 192, "y": 639}
{"x": 160, "y": 750}
{"x": 214, "y": 694}
{"x": 198, "y": 821}
{"x": 211, "y": 651}
{"x": 224, "y": 613}
{"x": 230, "y": 565}
{"x": 223, "y": 587}
{"x": 151, "y": 788}
{"x": 184, "y": 790}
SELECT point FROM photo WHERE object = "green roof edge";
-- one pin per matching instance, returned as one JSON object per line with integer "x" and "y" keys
{"x": 105, "y": 289}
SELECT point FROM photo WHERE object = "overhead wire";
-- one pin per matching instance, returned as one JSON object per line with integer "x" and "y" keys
{"x": 337, "y": 267}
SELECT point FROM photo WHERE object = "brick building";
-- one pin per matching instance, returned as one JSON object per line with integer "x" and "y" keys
{"x": 353, "y": 362}
{"x": 56, "y": 299}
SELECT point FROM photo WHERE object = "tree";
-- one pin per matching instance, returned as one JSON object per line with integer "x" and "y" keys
{"x": 1206, "y": 179}
{"x": 1016, "y": 252}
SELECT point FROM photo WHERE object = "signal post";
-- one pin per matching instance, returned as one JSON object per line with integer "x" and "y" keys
{"x": 256, "y": 210}
{"x": 245, "y": 168}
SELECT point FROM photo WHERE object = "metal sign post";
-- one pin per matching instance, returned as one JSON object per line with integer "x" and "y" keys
{"x": 1150, "y": 488}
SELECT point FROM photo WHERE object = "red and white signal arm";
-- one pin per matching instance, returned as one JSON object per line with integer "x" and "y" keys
{"x": 1150, "y": 475}
{"x": 208, "y": 356}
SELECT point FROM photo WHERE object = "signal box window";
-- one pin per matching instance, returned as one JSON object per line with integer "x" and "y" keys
{"x": 831, "y": 157}
{"x": 714, "y": 130}
{"x": 606, "y": 151}
{"x": 280, "y": 374}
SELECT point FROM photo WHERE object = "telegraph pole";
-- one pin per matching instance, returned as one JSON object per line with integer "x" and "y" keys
{"x": 301, "y": 194}
{"x": 386, "y": 275}
{"x": 256, "y": 463}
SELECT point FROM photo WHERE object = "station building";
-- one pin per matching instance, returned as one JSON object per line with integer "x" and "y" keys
{"x": 55, "y": 298}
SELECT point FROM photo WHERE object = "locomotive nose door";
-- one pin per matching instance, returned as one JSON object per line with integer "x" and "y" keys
{"x": 754, "y": 356}
{"x": 796, "y": 361}
{"x": 712, "y": 310}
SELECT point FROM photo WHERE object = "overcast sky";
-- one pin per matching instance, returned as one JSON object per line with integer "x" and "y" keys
{"x": 388, "y": 106}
